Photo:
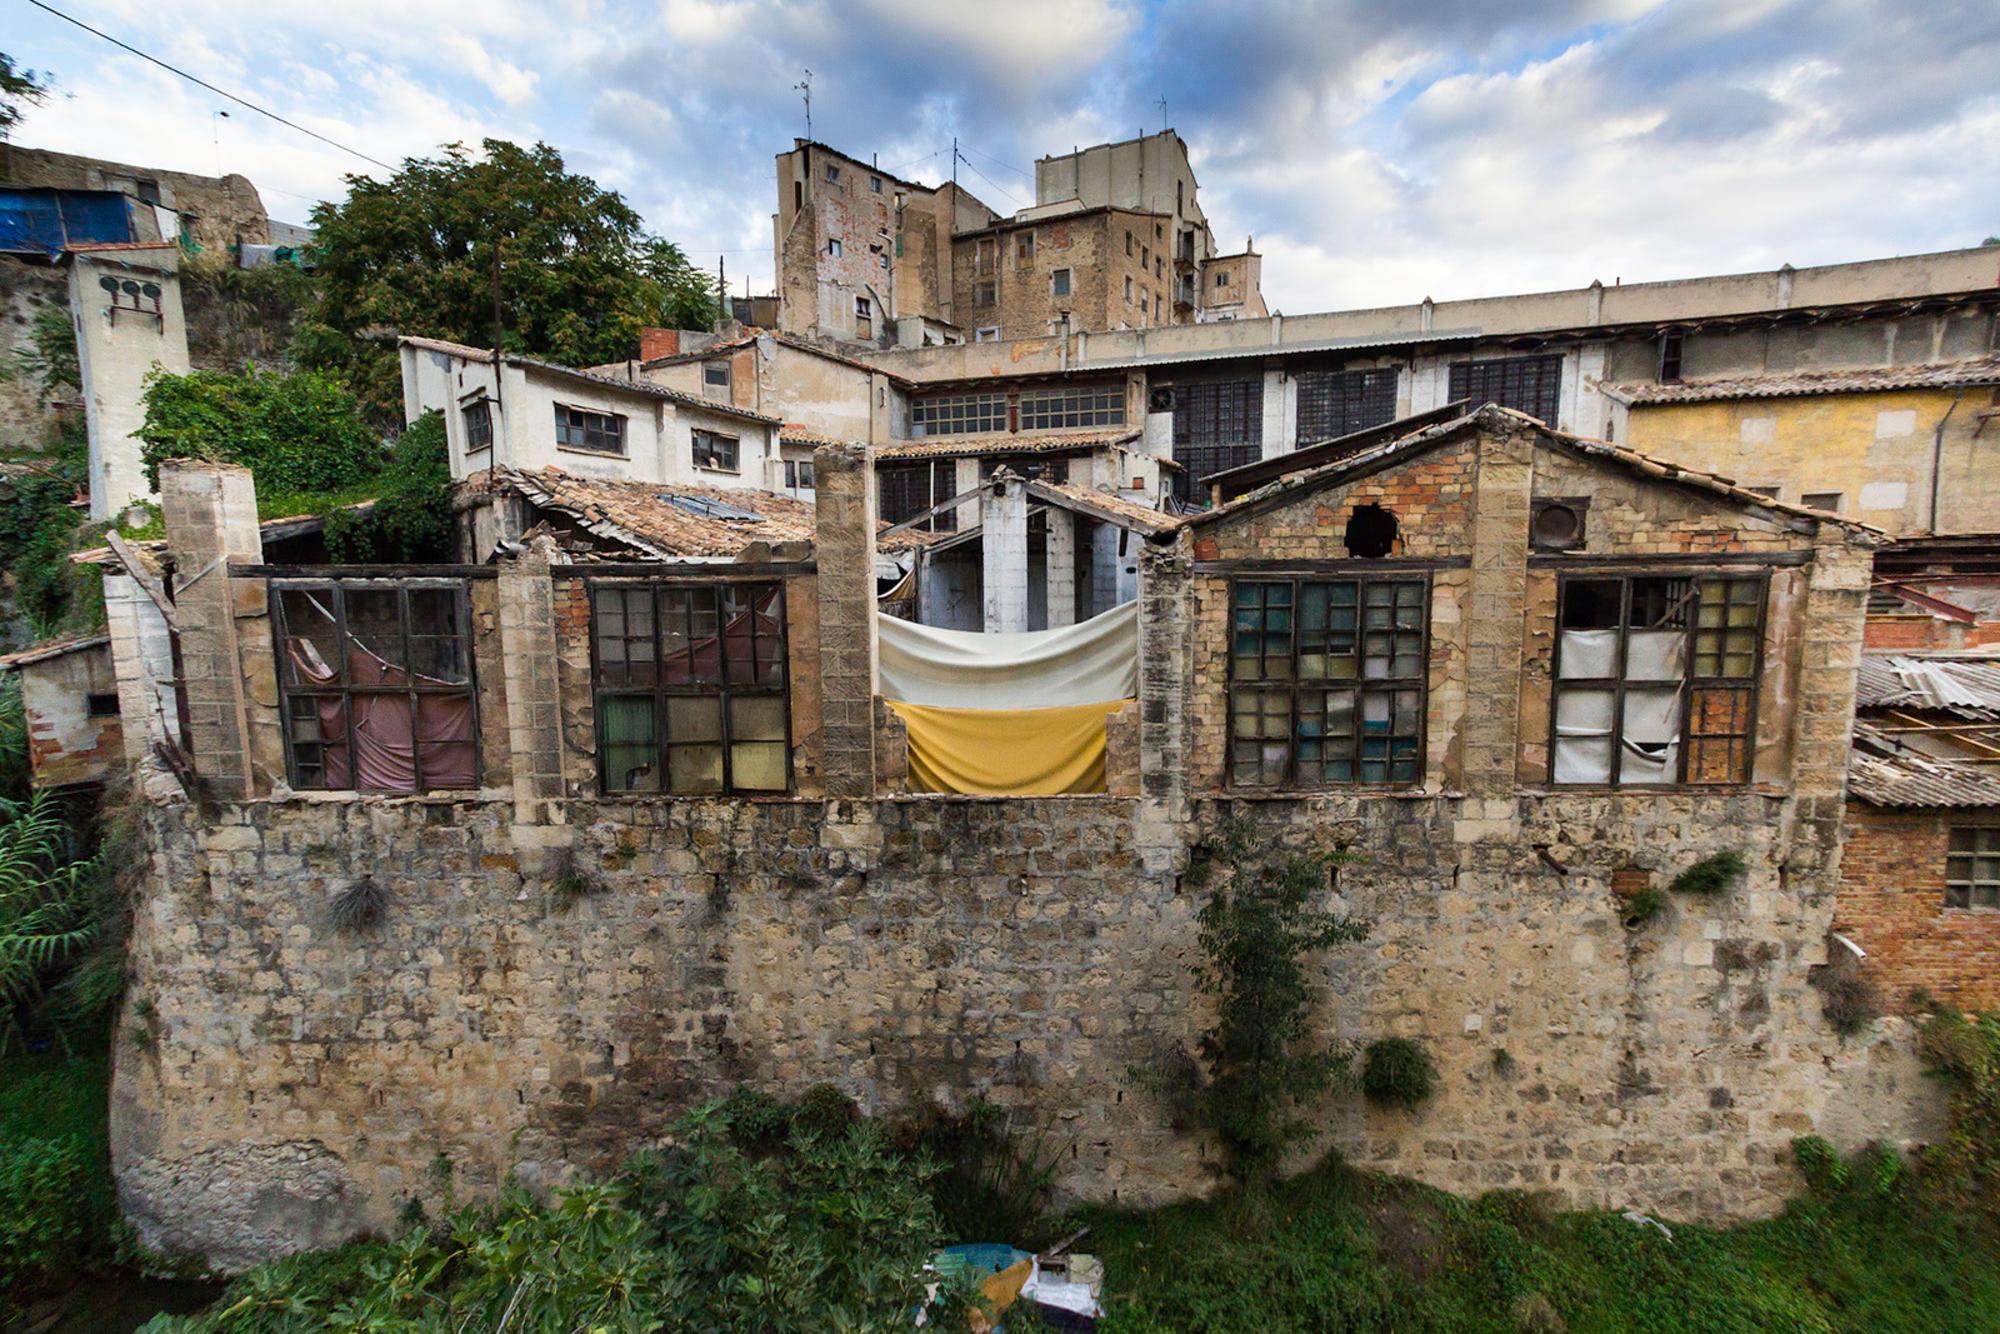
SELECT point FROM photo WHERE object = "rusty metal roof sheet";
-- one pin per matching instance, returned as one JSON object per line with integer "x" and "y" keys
{"x": 1883, "y": 773}
{"x": 1800, "y": 384}
{"x": 962, "y": 446}
{"x": 1964, "y": 687}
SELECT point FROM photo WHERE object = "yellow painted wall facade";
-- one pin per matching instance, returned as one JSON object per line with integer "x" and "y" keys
{"x": 1874, "y": 449}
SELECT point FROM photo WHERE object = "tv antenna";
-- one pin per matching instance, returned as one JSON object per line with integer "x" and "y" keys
{"x": 805, "y": 87}
{"x": 1163, "y": 115}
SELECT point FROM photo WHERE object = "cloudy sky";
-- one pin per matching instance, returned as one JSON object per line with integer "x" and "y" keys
{"x": 1380, "y": 152}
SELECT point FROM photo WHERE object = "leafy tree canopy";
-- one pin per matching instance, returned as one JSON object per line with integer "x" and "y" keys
{"x": 18, "y": 85}
{"x": 298, "y": 433}
{"x": 579, "y": 275}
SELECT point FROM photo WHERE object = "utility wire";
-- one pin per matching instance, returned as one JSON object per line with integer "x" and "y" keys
{"x": 244, "y": 102}
{"x": 1008, "y": 166}
{"x": 1005, "y": 193}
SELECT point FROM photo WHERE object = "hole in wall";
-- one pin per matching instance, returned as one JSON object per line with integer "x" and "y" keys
{"x": 1371, "y": 532}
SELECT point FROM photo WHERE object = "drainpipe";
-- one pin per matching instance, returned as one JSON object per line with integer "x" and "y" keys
{"x": 1937, "y": 460}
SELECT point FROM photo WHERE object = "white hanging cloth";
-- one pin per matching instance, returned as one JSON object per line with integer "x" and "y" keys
{"x": 1091, "y": 663}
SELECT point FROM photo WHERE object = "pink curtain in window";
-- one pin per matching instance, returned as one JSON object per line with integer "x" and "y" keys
{"x": 386, "y": 745}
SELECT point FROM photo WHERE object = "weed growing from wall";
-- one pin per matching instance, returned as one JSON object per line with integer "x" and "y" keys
{"x": 1711, "y": 875}
{"x": 1397, "y": 1072}
{"x": 360, "y": 906}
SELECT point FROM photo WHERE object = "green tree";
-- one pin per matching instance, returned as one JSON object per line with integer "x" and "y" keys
{"x": 298, "y": 434}
{"x": 411, "y": 520}
{"x": 578, "y": 274}
{"x": 18, "y": 85}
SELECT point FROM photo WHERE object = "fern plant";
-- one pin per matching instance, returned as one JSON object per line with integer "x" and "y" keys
{"x": 52, "y": 909}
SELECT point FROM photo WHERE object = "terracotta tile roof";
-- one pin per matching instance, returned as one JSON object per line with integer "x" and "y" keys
{"x": 646, "y": 516}
{"x": 645, "y": 388}
{"x": 961, "y": 446}
{"x": 799, "y": 435}
{"x": 1883, "y": 773}
{"x": 1800, "y": 384}
{"x": 1963, "y": 687}
{"x": 53, "y": 648}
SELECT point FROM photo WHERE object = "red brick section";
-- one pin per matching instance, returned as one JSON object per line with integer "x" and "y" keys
{"x": 1892, "y": 905}
{"x": 659, "y": 343}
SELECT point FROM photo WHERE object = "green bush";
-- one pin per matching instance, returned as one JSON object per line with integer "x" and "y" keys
{"x": 1964, "y": 1052}
{"x": 39, "y": 528}
{"x": 412, "y": 519}
{"x": 53, "y": 908}
{"x": 300, "y": 433}
{"x": 994, "y": 1184}
{"x": 1643, "y": 907}
{"x": 44, "y": 1217}
{"x": 1710, "y": 875}
{"x": 1397, "y": 1072}
{"x": 825, "y": 1110}
{"x": 1824, "y": 1169}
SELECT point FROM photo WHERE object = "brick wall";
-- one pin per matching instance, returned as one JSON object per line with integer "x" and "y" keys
{"x": 1892, "y": 872}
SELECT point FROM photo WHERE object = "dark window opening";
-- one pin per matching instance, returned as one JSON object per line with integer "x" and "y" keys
{"x": 903, "y": 492}
{"x": 1337, "y": 403}
{"x": 1972, "y": 867}
{"x": 594, "y": 432}
{"x": 478, "y": 426}
{"x": 691, "y": 688}
{"x": 376, "y": 685}
{"x": 715, "y": 374}
{"x": 101, "y": 705}
{"x": 1327, "y": 682}
{"x": 718, "y": 453}
{"x": 1670, "y": 358}
{"x": 1371, "y": 532}
{"x": 1218, "y": 425}
{"x": 1527, "y": 384}
{"x": 1557, "y": 525}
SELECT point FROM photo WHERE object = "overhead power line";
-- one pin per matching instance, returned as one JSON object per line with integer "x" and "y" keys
{"x": 219, "y": 92}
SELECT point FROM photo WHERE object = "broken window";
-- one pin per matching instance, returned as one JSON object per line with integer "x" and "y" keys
{"x": 1217, "y": 425}
{"x": 1527, "y": 384}
{"x": 478, "y": 425}
{"x": 1656, "y": 680}
{"x": 101, "y": 705}
{"x": 1337, "y": 403}
{"x": 1972, "y": 867}
{"x": 717, "y": 453}
{"x": 1670, "y": 358}
{"x": 832, "y": 174}
{"x": 1327, "y": 681}
{"x": 989, "y": 334}
{"x": 691, "y": 692}
{"x": 375, "y": 678}
{"x": 864, "y": 317}
{"x": 1024, "y": 248}
{"x": 958, "y": 414}
{"x": 905, "y": 491}
{"x": 596, "y": 432}
{"x": 1055, "y": 409}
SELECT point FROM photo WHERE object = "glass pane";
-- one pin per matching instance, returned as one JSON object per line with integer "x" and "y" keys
{"x": 375, "y": 630}
{"x": 757, "y": 766}
{"x": 757, "y": 718}
{"x": 694, "y": 768}
{"x": 627, "y": 731}
{"x": 694, "y": 718}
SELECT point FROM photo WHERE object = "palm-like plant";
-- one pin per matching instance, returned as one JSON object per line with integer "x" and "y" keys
{"x": 52, "y": 908}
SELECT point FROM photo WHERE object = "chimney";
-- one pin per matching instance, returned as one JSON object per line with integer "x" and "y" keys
{"x": 659, "y": 343}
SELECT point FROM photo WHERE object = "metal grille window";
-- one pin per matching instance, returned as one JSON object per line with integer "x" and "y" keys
{"x": 1217, "y": 425}
{"x": 691, "y": 690}
{"x": 1529, "y": 384}
{"x": 1656, "y": 680}
{"x": 596, "y": 432}
{"x": 376, "y": 684}
{"x": 1327, "y": 681}
{"x": 959, "y": 414}
{"x": 1337, "y": 403}
{"x": 478, "y": 425}
{"x": 717, "y": 453}
{"x": 906, "y": 491}
{"x": 1053, "y": 409}
{"x": 1972, "y": 867}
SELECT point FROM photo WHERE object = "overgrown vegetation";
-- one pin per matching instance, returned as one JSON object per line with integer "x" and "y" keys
{"x": 1848, "y": 998}
{"x": 411, "y": 519}
{"x": 995, "y": 1183}
{"x": 1397, "y": 1072}
{"x": 56, "y": 908}
{"x": 1964, "y": 1052}
{"x": 1711, "y": 875}
{"x": 1261, "y": 1064}
{"x": 1643, "y": 906}
{"x": 299, "y": 433}
{"x": 359, "y": 906}
{"x": 41, "y": 522}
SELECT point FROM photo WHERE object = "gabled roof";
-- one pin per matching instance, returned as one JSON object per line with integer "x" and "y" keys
{"x": 646, "y": 389}
{"x": 668, "y": 521}
{"x": 1493, "y": 417}
{"x": 1882, "y": 772}
{"x": 1801, "y": 384}
{"x": 54, "y": 648}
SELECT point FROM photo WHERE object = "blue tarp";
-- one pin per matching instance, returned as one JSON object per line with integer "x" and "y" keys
{"x": 45, "y": 222}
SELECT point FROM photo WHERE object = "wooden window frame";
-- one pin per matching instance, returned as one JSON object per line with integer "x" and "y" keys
{"x": 479, "y": 427}
{"x": 661, "y": 691}
{"x": 585, "y": 429}
{"x": 734, "y": 467}
{"x": 335, "y": 592}
{"x": 1691, "y": 681}
{"x": 1362, "y": 575}
{"x": 960, "y": 414}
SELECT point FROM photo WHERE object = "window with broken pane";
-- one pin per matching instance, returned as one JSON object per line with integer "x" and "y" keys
{"x": 691, "y": 690}
{"x": 375, "y": 679}
{"x": 1327, "y": 681}
{"x": 1656, "y": 680}
{"x": 1972, "y": 867}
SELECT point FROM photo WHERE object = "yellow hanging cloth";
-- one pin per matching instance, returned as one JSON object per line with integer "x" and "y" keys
{"x": 1006, "y": 752}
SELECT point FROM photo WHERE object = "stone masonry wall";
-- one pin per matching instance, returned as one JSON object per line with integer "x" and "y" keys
{"x": 282, "y": 1084}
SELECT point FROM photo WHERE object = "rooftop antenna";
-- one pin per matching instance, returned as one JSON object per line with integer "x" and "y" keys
{"x": 805, "y": 86}
{"x": 1163, "y": 115}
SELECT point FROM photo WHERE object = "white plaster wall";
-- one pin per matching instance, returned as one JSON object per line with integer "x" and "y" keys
{"x": 116, "y": 350}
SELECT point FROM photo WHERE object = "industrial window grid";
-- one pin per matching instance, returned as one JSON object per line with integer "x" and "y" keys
{"x": 1088, "y": 405}
{"x": 959, "y": 414}
{"x": 592, "y": 432}
{"x": 907, "y": 490}
{"x": 1337, "y": 403}
{"x": 1218, "y": 425}
{"x": 1724, "y": 618}
{"x": 691, "y": 691}
{"x": 1972, "y": 866}
{"x": 478, "y": 416}
{"x": 1528, "y": 384}
{"x": 717, "y": 453}
{"x": 1327, "y": 681}
{"x": 313, "y": 623}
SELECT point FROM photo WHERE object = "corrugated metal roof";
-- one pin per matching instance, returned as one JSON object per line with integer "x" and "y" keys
{"x": 1962, "y": 687}
{"x": 1800, "y": 384}
{"x": 1882, "y": 773}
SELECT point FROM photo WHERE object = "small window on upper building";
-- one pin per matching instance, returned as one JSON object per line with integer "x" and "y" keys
{"x": 832, "y": 173}
{"x": 1159, "y": 266}
{"x": 1822, "y": 500}
{"x": 593, "y": 432}
{"x": 715, "y": 374}
{"x": 833, "y": 247}
{"x": 982, "y": 294}
{"x": 990, "y": 334}
{"x": 1128, "y": 291}
{"x": 716, "y": 453}
{"x": 1972, "y": 867}
{"x": 1059, "y": 282}
{"x": 101, "y": 705}
{"x": 1768, "y": 492}
{"x": 864, "y": 317}
{"x": 1145, "y": 257}
{"x": 1128, "y": 243}
{"x": 148, "y": 190}
{"x": 1222, "y": 277}
{"x": 478, "y": 416}
{"x": 1024, "y": 248}
{"x": 1670, "y": 358}
{"x": 798, "y": 475}
{"x": 875, "y": 184}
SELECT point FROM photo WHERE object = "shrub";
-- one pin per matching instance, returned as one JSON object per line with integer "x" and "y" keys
{"x": 1711, "y": 875}
{"x": 411, "y": 519}
{"x": 1964, "y": 1052}
{"x": 572, "y": 886}
{"x": 1397, "y": 1072}
{"x": 994, "y": 1185}
{"x": 44, "y": 1222}
{"x": 299, "y": 433}
{"x": 757, "y": 1122}
{"x": 52, "y": 909}
{"x": 1848, "y": 999}
{"x": 825, "y": 1110}
{"x": 1643, "y": 907}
